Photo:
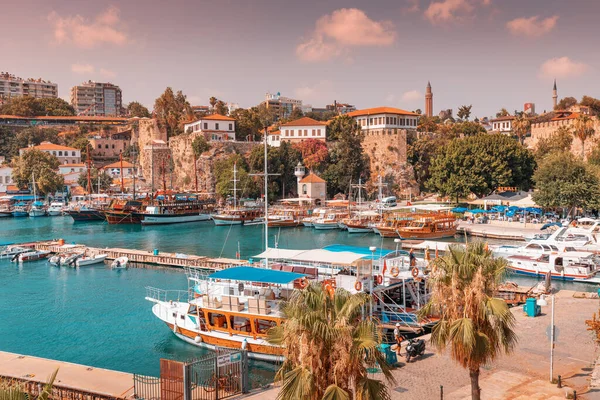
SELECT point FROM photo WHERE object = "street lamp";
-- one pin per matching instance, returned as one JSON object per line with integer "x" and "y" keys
{"x": 372, "y": 249}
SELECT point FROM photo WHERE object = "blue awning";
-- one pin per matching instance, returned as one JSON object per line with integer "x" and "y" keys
{"x": 251, "y": 274}
{"x": 459, "y": 209}
{"x": 337, "y": 248}
{"x": 23, "y": 197}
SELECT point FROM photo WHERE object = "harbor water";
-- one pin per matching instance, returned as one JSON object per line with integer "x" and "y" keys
{"x": 97, "y": 316}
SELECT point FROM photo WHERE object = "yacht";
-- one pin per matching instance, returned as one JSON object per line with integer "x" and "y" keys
{"x": 55, "y": 209}
{"x": 568, "y": 265}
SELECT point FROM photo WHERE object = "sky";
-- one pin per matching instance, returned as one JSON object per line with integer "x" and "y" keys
{"x": 488, "y": 53}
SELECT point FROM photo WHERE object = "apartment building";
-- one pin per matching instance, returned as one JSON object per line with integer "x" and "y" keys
{"x": 281, "y": 106}
{"x": 13, "y": 86}
{"x": 384, "y": 120}
{"x": 65, "y": 155}
{"x": 97, "y": 99}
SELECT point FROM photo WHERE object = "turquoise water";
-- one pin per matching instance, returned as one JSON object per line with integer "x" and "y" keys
{"x": 97, "y": 316}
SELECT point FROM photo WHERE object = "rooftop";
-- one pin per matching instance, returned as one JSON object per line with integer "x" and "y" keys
{"x": 312, "y": 178}
{"x": 381, "y": 110}
{"x": 126, "y": 164}
{"x": 50, "y": 146}
{"x": 505, "y": 118}
{"x": 217, "y": 117}
{"x": 305, "y": 121}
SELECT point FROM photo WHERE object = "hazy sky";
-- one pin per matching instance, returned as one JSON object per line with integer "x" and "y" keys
{"x": 489, "y": 53}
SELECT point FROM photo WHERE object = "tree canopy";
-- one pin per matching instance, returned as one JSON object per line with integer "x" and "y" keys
{"x": 562, "y": 180}
{"x": 565, "y": 103}
{"x": 200, "y": 145}
{"x": 561, "y": 141}
{"x": 314, "y": 153}
{"x": 480, "y": 164}
{"x": 105, "y": 180}
{"x": 223, "y": 170}
{"x": 137, "y": 109}
{"x": 45, "y": 168}
{"x": 281, "y": 160}
{"x": 27, "y": 106}
{"x": 172, "y": 111}
{"x": 464, "y": 112}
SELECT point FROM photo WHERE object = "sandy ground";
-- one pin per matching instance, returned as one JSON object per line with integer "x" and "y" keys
{"x": 523, "y": 375}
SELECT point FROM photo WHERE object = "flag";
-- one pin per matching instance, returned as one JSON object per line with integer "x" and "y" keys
{"x": 384, "y": 267}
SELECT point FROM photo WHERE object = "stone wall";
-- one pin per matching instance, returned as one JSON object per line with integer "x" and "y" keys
{"x": 546, "y": 129}
{"x": 387, "y": 152}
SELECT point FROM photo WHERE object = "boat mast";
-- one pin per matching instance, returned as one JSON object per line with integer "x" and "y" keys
{"x": 164, "y": 178}
{"x": 235, "y": 181}
{"x": 122, "y": 182}
{"x": 34, "y": 191}
{"x": 89, "y": 175}
{"x": 152, "y": 162}
{"x": 266, "y": 202}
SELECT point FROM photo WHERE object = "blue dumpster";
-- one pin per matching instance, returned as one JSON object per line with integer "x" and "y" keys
{"x": 531, "y": 308}
{"x": 155, "y": 252}
{"x": 390, "y": 355}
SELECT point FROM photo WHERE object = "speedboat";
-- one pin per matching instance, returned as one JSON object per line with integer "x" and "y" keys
{"x": 89, "y": 260}
{"x": 13, "y": 251}
{"x": 119, "y": 263}
{"x": 32, "y": 255}
{"x": 55, "y": 209}
{"x": 568, "y": 265}
{"x": 530, "y": 249}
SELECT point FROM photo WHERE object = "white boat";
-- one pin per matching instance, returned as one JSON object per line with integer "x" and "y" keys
{"x": 530, "y": 249}
{"x": 119, "y": 263}
{"x": 569, "y": 265}
{"x": 37, "y": 209}
{"x": 13, "y": 251}
{"x": 326, "y": 223}
{"x": 90, "y": 260}
{"x": 55, "y": 209}
{"x": 32, "y": 255}
{"x": 566, "y": 238}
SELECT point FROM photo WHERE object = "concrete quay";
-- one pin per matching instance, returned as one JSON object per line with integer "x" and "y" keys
{"x": 92, "y": 382}
{"x": 499, "y": 230}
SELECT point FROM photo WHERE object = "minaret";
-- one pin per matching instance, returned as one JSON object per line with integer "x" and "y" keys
{"x": 554, "y": 96}
{"x": 429, "y": 101}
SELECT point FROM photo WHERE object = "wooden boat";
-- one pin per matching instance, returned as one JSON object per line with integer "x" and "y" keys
{"x": 119, "y": 263}
{"x": 433, "y": 226}
{"x": 388, "y": 228}
{"x": 286, "y": 218}
{"x": 176, "y": 210}
{"x": 217, "y": 316}
{"x": 362, "y": 222}
{"x": 124, "y": 212}
{"x": 236, "y": 216}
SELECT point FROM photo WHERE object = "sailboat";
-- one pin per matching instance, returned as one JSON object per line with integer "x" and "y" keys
{"x": 37, "y": 209}
{"x": 235, "y": 215}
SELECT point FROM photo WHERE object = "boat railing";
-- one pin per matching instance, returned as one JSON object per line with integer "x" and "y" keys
{"x": 160, "y": 295}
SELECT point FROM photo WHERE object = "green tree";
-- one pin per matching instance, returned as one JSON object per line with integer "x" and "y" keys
{"x": 296, "y": 114}
{"x": 200, "y": 145}
{"x": 24, "y": 106}
{"x": 31, "y": 137}
{"x": 520, "y": 127}
{"x": 561, "y": 141}
{"x": 502, "y": 113}
{"x": 246, "y": 124}
{"x": 348, "y": 161}
{"x": 45, "y": 168}
{"x": 592, "y": 103}
{"x": 474, "y": 325}
{"x": 281, "y": 160}
{"x": 172, "y": 111}
{"x": 428, "y": 124}
{"x": 464, "y": 112}
{"x": 328, "y": 347}
{"x": 213, "y": 102}
{"x": 418, "y": 111}
{"x": 562, "y": 180}
{"x": 137, "y": 109}
{"x": 55, "y": 107}
{"x": 314, "y": 154}
{"x": 223, "y": 171}
{"x": 321, "y": 116}
{"x": 81, "y": 143}
{"x": 420, "y": 152}
{"x": 583, "y": 129}
{"x": 565, "y": 103}
{"x": 221, "y": 108}
{"x": 467, "y": 128}
{"x": 480, "y": 164}
{"x": 106, "y": 180}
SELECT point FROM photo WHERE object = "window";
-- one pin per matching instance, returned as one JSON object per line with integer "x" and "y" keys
{"x": 60, "y": 153}
{"x": 113, "y": 146}
{"x": 370, "y": 121}
{"x": 99, "y": 146}
{"x": 72, "y": 169}
{"x": 73, "y": 153}
{"x": 217, "y": 126}
{"x": 54, "y": 153}
{"x": 314, "y": 132}
{"x": 318, "y": 132}
{"x": 304, "y": 188}
{"x": 206, "y": 125}
{"x": 230, "y": 127}
{"x": 106, "y": 146}
{"x": 306, "y": 132}
{"x": 387, "y": 120}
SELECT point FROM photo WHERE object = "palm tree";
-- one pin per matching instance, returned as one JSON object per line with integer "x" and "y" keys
{"x": 583, "y": 130}
{"x": 474, "y": 325}
{"x": 328, "y": 347}
{"x": 213, "y": 101}
{"x": 520, "y": 126}
{"x": 16, "y": 393}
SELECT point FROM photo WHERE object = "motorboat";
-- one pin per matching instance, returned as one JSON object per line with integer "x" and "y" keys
{"x": 530, "y": 249}
{"x": 119, "y": 263}
{"x": 55, "y": 209}
{"x": 12, "y": 251}
{"x": 240, "y": 216}
{"x": 90, "y": 260}
{"x": 570, "y": 238}
{"x": 32, "y": 255}
{"x": 37, "y": 209}
{"x": 330, "y": 221}
{"x": 568, "y": 265}
{"x": 86, "y": 213}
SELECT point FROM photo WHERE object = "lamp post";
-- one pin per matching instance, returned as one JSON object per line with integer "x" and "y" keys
{"x": 372, "y": 249}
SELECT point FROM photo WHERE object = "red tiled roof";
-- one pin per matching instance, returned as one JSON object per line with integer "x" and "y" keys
{"x": 312, "y": 178}
{"x": 126, "y": 164}
{"x": 50, "y": 146}
{"x": 304, "y": 121}
{"x": 563, "y": 115}
{"x": 380, "y": 110}
{"x": 218, "y": 117}
{"x": 506, "y": 118}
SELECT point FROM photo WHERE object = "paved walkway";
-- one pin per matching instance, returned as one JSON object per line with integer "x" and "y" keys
{"x": 72, "y": 376}
{"x": 500, "y": 230}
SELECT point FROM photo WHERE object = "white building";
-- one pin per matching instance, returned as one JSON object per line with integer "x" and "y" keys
{"x": 299, "y": 130}
{"x": 312, "y": 187}
{"x": 72, "y": 172}
{"x": 65, "y": 155}
{"x": 384, "y": 118}
{"x": 13, "y": 86}
{"x": 215, "y": 128}
{"x": 114, "y": 169}
{"x": 5, "y": 177}
{"x": 502, "y": 124}
{"x": 97, "y": 99}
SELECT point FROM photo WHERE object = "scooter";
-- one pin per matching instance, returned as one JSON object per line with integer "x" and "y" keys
{"x": 416, "y": 347}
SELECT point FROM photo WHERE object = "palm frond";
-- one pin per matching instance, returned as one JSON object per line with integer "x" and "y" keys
{"x": 371, "y": 389}
{"x": 334, "y": 392}
{"x": 48, "y": 387}
{"x": 297, "y": 384}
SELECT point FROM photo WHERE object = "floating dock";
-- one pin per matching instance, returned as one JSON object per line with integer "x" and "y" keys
{"x": 177, "y": 260}
{"x": 506, "y": 231}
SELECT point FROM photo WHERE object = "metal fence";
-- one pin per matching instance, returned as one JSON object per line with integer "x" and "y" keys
{"x": 220, "y": 375}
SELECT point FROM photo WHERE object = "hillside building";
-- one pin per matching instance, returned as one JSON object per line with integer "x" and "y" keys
{"x": 215, "y": 128}
{"x": 13, "y": 86}
{"x": 280, "y": 105}
{"x": 503, "y": 124}
{"x": 65, "y": 155}
{"x": 97, "y": 99}
{"x": 298, "y": 131}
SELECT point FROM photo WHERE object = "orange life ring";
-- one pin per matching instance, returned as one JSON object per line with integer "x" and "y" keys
{"x": 303, "y": 283}
{"x": 414, "y": 272}
{"x": 379, "y": 279}
{"x": 395, "y": 271}
{"x": 358, "y": 286}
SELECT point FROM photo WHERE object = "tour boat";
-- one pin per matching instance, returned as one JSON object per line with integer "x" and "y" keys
{"x": 530, "y": 249}
{"x": 236, "y": 216}
{"x": 20, "y": 211}
{"x": 119, "y": 263}
{"x": 90, "y": 260}
{"x": 124, "y": 212}
{"x": 286, "y": 218}
{"x": 85, "y": 213}
{"x": 232, "y": 308}
{"x": 33, "y": 255}
{"x": 568, "y": 265}
{"x": 55, "y": 209}
{"x": 388, "y": 228}
{"x": 5, "y": 211}
{"x": 363, "y": 222}
{"x": 434, "y": 226}
{"x": 177, "y": 210}
{"x": 330, "y": 221}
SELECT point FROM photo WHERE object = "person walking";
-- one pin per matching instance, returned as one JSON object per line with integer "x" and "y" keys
{"x": 399, "y": 338}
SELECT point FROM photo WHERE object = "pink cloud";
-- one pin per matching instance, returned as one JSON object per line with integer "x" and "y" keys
{"x": 412, "y": 7}
{"x": 86, "y": 33}
{"x": 532, "y": 27}
{"x": 449, "y": 11}
{"x": 412, "y": 96}
{"x": 562, "y": 67}
{"x": 83, "y": 68}
{"x": 344, "y": 28}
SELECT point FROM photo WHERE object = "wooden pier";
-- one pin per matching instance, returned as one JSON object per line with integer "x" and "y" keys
{"x": 177, "y": 260}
